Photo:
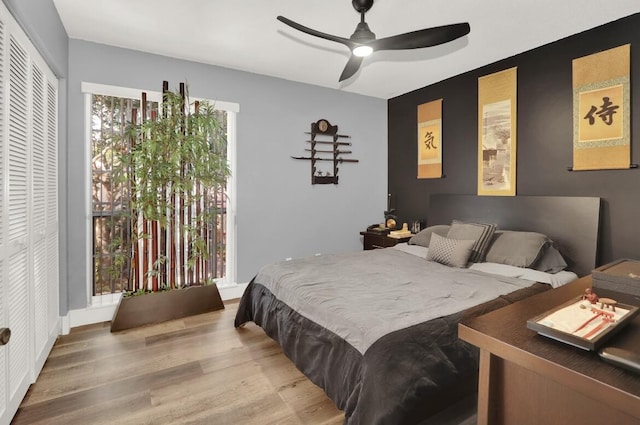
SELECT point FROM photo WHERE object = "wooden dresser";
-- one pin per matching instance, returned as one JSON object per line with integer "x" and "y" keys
{"x": 529, "y": 379}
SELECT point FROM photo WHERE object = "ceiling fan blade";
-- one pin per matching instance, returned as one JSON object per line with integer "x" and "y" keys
{"x": 351, "y": 68}
{"x": 422, "y": 38}
{"x": 350, "y": 44}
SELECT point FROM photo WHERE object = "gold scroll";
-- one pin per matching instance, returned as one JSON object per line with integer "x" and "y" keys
{"x": 601, "y": 110}
{"x": 430, "y": 140}
{"x": 497, "y": 103}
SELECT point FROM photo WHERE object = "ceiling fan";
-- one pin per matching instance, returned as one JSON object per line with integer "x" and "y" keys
{"x": 363, "y": 42}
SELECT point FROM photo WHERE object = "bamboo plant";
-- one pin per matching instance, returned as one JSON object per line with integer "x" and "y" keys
{"x": 173, "y": 163}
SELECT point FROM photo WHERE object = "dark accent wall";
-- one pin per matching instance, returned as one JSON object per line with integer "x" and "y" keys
{"x": 544, "y": 137}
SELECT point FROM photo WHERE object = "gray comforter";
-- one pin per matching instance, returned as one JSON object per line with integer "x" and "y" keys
{"x": 377, "y": 329}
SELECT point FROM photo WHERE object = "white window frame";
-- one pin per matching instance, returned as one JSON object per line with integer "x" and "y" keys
{"x": 232, "y": 109}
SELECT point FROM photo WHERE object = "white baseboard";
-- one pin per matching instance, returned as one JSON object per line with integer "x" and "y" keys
{"x": 104, "y": 312}
{"x": 232, "y": 291}
{"x": 91, "y": 315}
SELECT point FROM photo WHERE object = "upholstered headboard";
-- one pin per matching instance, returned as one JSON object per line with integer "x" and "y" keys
{"x": 572, "y": 222}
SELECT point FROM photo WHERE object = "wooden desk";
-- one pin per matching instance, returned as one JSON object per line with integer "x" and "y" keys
{"x": 526, "y": 378}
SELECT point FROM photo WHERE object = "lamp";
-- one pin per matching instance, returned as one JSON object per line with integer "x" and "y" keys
{"x": 362, "y": 51}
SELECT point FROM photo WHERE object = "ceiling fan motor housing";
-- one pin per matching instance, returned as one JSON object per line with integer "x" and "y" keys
{"x": 361, "y": 6}
{"x": 362, "y": 34}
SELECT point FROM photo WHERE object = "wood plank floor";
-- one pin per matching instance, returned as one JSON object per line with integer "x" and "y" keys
{"x": 198, "y": 370}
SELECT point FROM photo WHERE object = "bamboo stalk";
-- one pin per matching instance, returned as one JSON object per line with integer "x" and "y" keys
{"x": 223, "y": 231}
{"x": 185, "y": 206}
{"x": 172, "y": 222}
{"x": 205, "y": 229}
{"x": 165, "y": 90}
{"x": 199, "y": 267}
{"x": 199, "y": 231}
{"x": 145, "y": 255}
{"x": 154, "y": 253}
{"x": 133, "y": 270}
{"x": 171, "y": 264}
{"x": 214, "y": 240}
{"x": 153, "y": 225}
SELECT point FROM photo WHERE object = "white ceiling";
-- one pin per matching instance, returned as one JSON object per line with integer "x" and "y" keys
{"x": 245, "y": 34}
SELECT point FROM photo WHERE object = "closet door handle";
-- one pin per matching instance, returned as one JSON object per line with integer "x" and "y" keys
{"x": 5, "y": 335}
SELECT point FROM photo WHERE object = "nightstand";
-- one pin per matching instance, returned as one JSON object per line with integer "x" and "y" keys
{"x": 374, "y": 240}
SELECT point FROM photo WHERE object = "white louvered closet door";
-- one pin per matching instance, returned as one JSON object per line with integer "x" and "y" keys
{"x": 44, "y": 212}
{"x": 4, "y": 314}
{"x": 51, "y": 218}
{"x": 18, "y": 183}
{"x": 29, "y": 217}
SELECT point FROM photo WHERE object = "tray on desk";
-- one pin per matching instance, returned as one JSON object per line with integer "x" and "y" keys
{"x": 562, "y": 323}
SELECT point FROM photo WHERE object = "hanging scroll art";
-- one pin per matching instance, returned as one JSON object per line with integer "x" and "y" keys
{"x": 497, "y": 133}
{"x": 430, "y": 140}
{"x": 601, "y": 110}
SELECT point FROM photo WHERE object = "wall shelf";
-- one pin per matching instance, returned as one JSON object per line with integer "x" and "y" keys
{"x": 326, "y": 145}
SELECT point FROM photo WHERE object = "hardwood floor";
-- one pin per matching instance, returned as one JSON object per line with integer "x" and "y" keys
{"x": 198, "y": 370}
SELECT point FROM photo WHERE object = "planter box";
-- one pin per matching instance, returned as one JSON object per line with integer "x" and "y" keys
{"x": 157, "y": 307}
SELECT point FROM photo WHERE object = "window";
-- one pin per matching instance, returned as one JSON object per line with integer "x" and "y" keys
{"x": 110, "y": 111}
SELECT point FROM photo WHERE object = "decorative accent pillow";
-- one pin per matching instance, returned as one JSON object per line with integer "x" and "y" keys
{"x": 520, "y": 249}
{"x": 481, "y": 233}
{"x": 550, "y": 261}
{"x": 450, "y": 252}
{"x": 423, "y": 237}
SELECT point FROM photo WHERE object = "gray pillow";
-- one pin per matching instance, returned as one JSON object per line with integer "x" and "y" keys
{"x": 450, "y": 252}
{"x": 423, "y": 237}
{"x": 551, "y": 260}
{"x": 520, "y": 249}
{"x": 481, "y": 233}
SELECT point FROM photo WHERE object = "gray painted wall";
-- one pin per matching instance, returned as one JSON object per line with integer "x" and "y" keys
{"x": 279, "y": 213}
{"x": 40, "y": 20}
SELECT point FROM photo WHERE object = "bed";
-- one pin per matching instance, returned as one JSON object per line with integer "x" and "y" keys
{"x": 377, "y": 330}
